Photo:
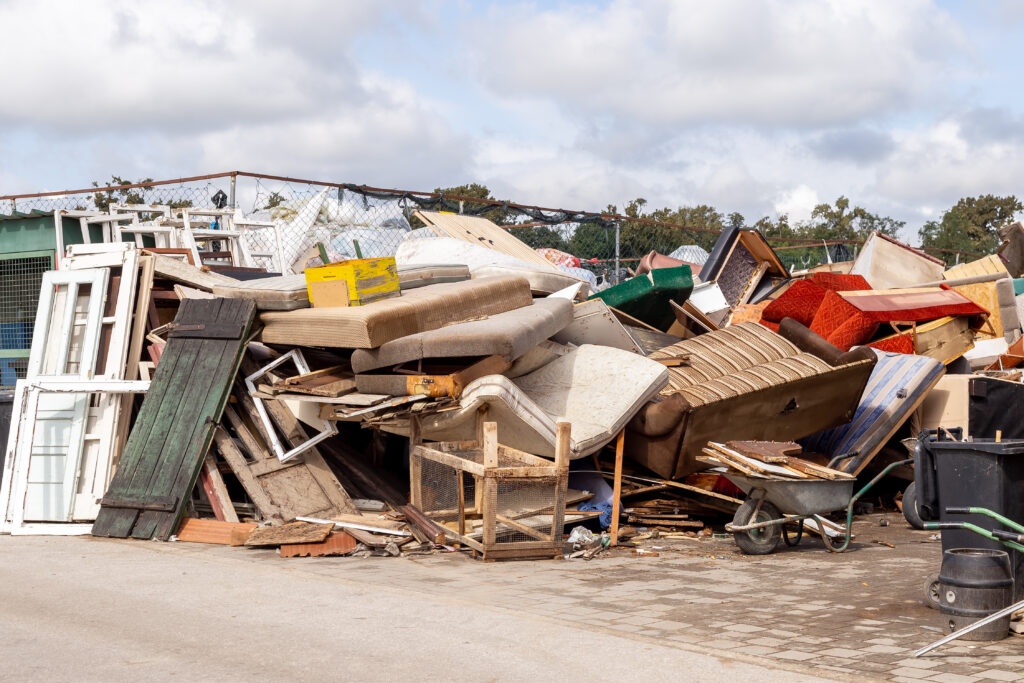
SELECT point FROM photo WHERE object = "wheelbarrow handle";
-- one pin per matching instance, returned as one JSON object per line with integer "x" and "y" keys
{"x": 1005, "y": 521}
{"x": 1008, "y": 536}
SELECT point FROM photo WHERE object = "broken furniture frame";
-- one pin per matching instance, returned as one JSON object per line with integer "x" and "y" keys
{"x": 496, "y": 472}
{"x": 296, "y": 357}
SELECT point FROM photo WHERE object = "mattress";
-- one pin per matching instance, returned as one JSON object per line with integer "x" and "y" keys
{"x": 418, "y": 310}
{"x": 541, "y": 281}
{"x": 281, "y": 293}
{"x": 597, "y": 389}
{"x": 509, "y": 335}
{"x": 482, "y": 262}
{"x": 897, "y": 385}
{"x": 889, "y": 264}
{"x": 420, "y": 275}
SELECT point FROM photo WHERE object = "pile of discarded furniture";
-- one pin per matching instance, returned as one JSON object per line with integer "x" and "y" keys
{"x": 469, "y": 392}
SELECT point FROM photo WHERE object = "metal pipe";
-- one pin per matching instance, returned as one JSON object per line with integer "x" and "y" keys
{"x": 996, "y": 616}
{"x": 616, "y": 252}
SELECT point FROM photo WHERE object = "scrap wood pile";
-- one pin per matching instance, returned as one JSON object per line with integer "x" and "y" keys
{"x": 765, "y": 460}
{"x": 457, "y": 396}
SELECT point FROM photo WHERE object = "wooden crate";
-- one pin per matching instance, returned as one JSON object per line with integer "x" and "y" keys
{"x": 499, "y": 501}
{"x": 358, "y": 281}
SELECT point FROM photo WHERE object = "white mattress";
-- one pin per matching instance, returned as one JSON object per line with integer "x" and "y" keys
{"x": 596, "y": 388}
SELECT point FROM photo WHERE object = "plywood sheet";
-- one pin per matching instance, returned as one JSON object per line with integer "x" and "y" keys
{"x": 213, "y": 531}
{"x": 338, "y": 543}
{"x": 294, "y": 532}
{"x": 477, "y": 230}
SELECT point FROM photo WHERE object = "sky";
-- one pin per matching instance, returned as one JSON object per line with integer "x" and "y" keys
{"x": 760, "y": 107}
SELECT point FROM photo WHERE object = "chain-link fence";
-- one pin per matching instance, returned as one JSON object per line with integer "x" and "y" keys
{"x": 354, "y": 220}
{"x": 351, "y": 220}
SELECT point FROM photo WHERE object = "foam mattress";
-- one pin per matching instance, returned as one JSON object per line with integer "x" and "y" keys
{"x": 418, "y": 310}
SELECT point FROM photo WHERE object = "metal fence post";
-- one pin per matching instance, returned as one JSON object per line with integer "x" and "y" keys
{"x": 617, "y": 223}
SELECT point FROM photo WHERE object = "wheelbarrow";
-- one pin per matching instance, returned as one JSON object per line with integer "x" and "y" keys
{"x": 772, "y": 503}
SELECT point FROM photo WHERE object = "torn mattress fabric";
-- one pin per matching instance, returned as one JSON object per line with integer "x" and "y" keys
{"x": 597, "y": 389}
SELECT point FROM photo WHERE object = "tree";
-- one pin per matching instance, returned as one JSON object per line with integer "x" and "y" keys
{"x": 839, "y": 222}
{"x": 495, "y": 214}
{"x": 971, "y": 224}
{"x": 104, "y": 198}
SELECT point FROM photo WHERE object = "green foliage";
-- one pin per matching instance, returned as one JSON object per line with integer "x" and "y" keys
{"x": 971, "y": 224}
{"x": 540, "y": 237}
{"x": 591, "y": 240}
{"x": 275, "y": 199}
{"x": 104, "y": 198}
{"x": 637, "y": 238}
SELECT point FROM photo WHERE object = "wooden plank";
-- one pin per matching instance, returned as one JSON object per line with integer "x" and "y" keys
{"x": 216, "y": 491}
{"x": 617, "y": 486}
{"x": 293, "y": 532}
{"x": 425, "y": 529}
{"x": 563, "y": 431}
{"x": 173, "y": 269}
{"x": 522, "y": 528}
{"x": 489, "y": 502}
{"x": 295, "y": 434}
{"x": 212, "y": 531}
{"x": 240, "y": 467}
{"x": 337, "y": 543}
{"x": 664, "y": 521}
{"x": 175, "y": 426}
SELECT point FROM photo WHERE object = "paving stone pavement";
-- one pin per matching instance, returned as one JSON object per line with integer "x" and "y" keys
{"x": 856, "y": 614}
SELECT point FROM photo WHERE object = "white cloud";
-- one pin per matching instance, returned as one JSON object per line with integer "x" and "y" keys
{"x": 665, "y": 62}
{"x": 758, "y": 107}
{"x": 797, "y": 203}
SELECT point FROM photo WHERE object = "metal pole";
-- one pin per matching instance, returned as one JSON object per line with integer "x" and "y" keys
{"x": 978, "y": 624}
{"x": 617, "y": 252}
{"x": 231, "y": 192}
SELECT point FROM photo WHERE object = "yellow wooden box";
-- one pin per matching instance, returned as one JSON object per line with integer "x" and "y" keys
{"x": 367, "y": 280}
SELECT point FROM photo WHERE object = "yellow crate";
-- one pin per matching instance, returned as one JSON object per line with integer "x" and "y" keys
{"x": 368, "y": 279}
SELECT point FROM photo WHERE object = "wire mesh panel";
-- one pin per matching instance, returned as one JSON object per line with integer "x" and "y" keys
{"x": 21, "y": 276}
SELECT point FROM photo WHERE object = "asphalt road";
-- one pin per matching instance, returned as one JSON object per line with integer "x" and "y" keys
{"x": 90, "y": 609}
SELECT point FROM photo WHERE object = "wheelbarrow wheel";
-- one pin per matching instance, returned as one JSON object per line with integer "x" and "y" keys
{"x": 910, "y": 509}
{"x": 761, "y": 541}
{"x": 931, "y": 591}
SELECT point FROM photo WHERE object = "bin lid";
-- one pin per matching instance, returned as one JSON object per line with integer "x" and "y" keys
{"x": 989, "y": 446}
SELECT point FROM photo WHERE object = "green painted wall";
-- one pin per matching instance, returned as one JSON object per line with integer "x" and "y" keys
{"x": 35, "y": 232}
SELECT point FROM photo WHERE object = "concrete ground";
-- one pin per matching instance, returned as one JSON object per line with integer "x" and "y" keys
{"x": 97, "y": 609}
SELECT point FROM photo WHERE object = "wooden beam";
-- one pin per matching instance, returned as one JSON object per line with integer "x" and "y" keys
{"x": 617, "y": 486}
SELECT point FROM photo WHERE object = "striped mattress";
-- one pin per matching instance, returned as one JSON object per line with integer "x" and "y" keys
{"x": 898, "y": 383}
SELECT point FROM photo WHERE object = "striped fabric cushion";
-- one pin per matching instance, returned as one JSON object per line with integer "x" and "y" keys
{"x": 724, "y": 352}
{"x": 897, "y": 384}
{"x": 771, "y": 374}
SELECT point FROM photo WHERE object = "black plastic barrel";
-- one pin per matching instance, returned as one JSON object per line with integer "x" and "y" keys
{"x": 977, "y": 473}
{"x": 6, "y": 405}
{"x": 974, "y": 583}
